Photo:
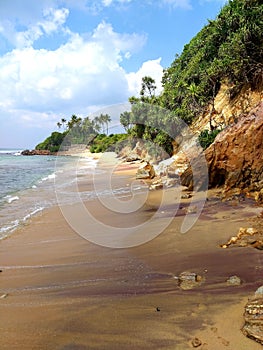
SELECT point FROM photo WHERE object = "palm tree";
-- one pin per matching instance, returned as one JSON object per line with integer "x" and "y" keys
{"x": 73, "y": 121}
{"x": 59, "y": 125}
{"x": 96, "y": 122}
{"x": 63, "y": 121}
{"x": 105, "y": 119}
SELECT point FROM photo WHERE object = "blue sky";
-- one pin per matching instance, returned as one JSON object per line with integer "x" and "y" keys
{"x": 64, "y": 57}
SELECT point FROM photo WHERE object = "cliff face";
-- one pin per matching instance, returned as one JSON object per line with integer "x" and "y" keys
{"x": 227, "y": 110}
{"x": 235, "y": 159}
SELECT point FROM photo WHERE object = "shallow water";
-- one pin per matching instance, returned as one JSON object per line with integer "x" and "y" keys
{"x": 30, "y": 184}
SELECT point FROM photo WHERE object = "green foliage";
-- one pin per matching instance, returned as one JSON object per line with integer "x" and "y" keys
{"x": 230, "y": 48}
{"x": 207, "y": 137}
{"x": 78, "y": 131}
{"x": 104, "y": 143}
{"x": 53, "y": 142}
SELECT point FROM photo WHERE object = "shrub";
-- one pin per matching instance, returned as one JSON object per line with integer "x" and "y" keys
{"x": 206, "y": 137}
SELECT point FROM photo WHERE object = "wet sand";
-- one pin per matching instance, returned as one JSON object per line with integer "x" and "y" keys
{"x": 64, "y": 292}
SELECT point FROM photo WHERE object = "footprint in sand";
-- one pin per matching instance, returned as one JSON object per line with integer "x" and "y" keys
{"x": 223, "y": 341}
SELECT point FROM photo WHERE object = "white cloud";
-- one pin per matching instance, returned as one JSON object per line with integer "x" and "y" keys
{"x": 185, "y": 4}
{"x": 85, "y": 73}
{"x": 53, "y": 20}
{"x": 74, "y": 78}
{"x": 150, "y": 68}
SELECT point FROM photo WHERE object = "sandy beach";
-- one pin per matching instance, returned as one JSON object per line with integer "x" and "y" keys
{"x": 60, "y": 291}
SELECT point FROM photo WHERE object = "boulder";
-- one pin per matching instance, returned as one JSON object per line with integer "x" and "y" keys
{"x": 35, "y": 152}
{"x": 246, "y": 237}
{"x": 259, "y": 196}
{"x": 234, "y": 281}
{"x": 189, "y": 280}
{"x": 156, "y": 185}
{"x": 235, "y": 157}
{"x": 259, "y": 292}
{"x": 145, "y": 171}
{"x": 132, "y": 157}
{"x": 253, "y": 315}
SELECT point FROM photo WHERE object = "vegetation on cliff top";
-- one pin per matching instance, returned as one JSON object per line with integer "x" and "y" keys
{"x": 228, "y": 50}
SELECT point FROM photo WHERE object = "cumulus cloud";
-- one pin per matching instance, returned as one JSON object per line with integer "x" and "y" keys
{"x": 39, "y": 86}
{"x": 81, "y": 74}
{"x": 152, "y": 68}
{"x": 53, "y": 20}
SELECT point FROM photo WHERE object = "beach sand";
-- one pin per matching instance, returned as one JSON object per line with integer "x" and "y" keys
{"x": 64, "y": 292}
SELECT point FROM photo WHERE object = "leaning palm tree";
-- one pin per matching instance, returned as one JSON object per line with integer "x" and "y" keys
{"x": 59, "y": 125}
{"x": 63, "y": 121}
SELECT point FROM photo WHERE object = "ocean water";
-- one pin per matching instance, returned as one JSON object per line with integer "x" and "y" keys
{"x": 27, "y": 185}
{"x": 30, "y": 184}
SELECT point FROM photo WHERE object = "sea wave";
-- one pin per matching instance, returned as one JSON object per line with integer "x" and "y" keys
{"x": 49, "y": 177}
{"x": 15, "y": 152}
{"x": 9, "y": 199}
{"x": 13, "y": 225}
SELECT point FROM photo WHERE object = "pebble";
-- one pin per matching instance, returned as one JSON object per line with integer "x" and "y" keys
{"x": 3, "y": 296}
{"x": 234, "y": 281}
{"x": 196, "y": 342}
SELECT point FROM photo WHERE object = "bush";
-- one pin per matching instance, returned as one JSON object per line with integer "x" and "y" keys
{"x": 206, "y": 137}
{"x": 103, "y": 143}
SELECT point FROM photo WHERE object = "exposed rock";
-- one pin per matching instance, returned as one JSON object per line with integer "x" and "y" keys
{"x": 3, "y": 296}
{"x": 186, "y": 196}
{"x": 156, "y": 185}
{"x": 132, "y": 157}
{"x": 259, "y": 196}
{"x": 196, "y": 342}
{"x": 259, "y": 292}
{"x": 163, "y": 182}
{"x": 145, "y": 171}
{"x": 191, "y": 209}
{"x": 226, "y": 110}
{"x": 35, "y": 152}
{"x": 171, "y": 182}
{"x": 235, "y": 157}
{"x": 189, "y": 280}
{"x": 234, "y": 281}
{"x": 253, "y": 327}
{"x": 246, "y": 237}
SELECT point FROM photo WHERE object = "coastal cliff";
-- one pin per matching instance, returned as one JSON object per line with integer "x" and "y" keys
{"x": 234, "y": 159}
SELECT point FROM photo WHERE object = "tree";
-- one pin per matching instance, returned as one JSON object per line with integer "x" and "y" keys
{"x": 125, "y": 120}
{"x": 148, "y": 88}
{"x": 97, "y": 123}
{"x": 105, "y": 119}
{"x": 74, "y": 121}
{"x": 59, "y": 125}
{"x": 63, "y": 121}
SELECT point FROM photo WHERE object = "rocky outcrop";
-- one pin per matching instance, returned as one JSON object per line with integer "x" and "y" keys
{"x": 235, "y": 157}
{"x": 145, "y": 171}
{"x": 253, "y": 327}
{"x": 246, "y": 237}
{"x": 35, "y": 152}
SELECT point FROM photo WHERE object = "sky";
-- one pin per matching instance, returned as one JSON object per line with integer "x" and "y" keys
{"x": 64, "y": 57}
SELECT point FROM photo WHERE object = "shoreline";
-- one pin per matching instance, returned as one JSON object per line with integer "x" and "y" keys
{"x": 64, "y": 292}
